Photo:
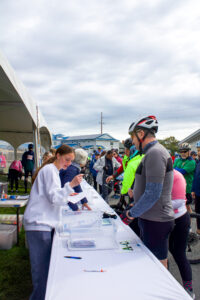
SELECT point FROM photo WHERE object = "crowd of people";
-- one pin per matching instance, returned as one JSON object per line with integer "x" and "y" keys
{"x": 160, "y": 193}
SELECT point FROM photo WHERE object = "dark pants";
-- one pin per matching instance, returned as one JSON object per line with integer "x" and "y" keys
{"x": 100, "y": 189}
{"x": 14, "y": 174}
{"x": 135, "y": 227}
{"x": 197, "y": 209}
{"x": 95, "y": 182}
{"x": 178, "y": 244}
{"x": 39, "y": 244}
{"x": 155, "y": 236}
{"x": 26, "y": 178}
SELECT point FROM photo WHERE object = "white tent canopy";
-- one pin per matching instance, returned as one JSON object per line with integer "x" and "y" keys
{"x": 20, "y": 119}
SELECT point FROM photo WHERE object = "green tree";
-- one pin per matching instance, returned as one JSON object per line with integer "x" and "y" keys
{"x": 170, "y": 143}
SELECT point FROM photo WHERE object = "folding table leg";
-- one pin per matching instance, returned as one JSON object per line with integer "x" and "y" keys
{"x": 18, "y": 226}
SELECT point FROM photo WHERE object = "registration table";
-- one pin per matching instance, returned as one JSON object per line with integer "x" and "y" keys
{"x": 126, "y": 274}
{"x": 17, "y": 203}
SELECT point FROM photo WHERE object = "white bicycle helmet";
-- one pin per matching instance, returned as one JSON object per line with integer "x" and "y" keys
{"x": 184, "y": 147}
{"x": 150, "y": 123}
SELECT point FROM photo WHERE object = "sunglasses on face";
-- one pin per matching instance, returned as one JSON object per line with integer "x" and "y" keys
{"x": 184, "y": 151}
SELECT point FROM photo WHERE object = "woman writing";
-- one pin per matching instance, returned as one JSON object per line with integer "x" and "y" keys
{"x": 42, "y": 214}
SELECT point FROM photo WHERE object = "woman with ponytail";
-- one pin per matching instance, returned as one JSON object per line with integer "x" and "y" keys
{"x": 42, "y": 214}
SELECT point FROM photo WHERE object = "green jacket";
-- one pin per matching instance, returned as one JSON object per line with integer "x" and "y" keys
{"x": 129, "y": 173}
{"x": 189, "y": 166}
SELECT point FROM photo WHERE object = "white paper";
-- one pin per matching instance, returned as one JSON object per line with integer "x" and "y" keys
{"x": 76, "y": 198}
{"x": 22, "y": 197}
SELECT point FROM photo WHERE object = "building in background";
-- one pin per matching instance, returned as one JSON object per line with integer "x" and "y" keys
{"x": 192, "y": 139}
{"x": 57, "y": 140}
{"x": 88, "y": 142}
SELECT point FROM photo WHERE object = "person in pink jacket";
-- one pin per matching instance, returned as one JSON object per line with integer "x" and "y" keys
{"x": 15, "y": 172}
{"x": 179, "y": 235}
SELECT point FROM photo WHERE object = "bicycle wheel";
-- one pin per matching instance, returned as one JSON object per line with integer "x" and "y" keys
{"x": 193, "y": 248}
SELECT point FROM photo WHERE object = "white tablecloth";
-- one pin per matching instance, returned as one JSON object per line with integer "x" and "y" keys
{"x": 134, "y": 275}
{"x": 13, "y": 203}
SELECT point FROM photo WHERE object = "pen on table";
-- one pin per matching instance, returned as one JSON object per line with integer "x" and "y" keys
{"x": 94, "y": 270}
{"x": 75, "y": 257}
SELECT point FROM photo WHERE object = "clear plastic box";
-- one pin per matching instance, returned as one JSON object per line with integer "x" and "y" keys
{"x": 78, "y": 219}
{"x": 93, "y": 238}
{"x": 8, "y": 236}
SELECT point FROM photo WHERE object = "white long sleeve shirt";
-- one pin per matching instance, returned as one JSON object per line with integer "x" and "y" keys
{"x": 46, "y": 197}
{"x": 100, "y": 163}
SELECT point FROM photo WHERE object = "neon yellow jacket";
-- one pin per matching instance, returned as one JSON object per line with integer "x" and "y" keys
{"x": 125, "y": 162}
{"x": 129, "y": 173}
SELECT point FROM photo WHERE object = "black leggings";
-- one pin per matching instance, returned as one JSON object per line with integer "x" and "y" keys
{"x": 155, "y": 236}
{"x": 178, "y": 244}
{"x": 14, "y": 174}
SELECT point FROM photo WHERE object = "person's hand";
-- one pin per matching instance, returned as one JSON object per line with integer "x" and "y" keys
{"x": 129, "y": 206}
{"x": 109, "y": 178}
{"x": 193, "y": 195}
{"x": 76, "y": 180}
{"x": 73, "y": 194}
{"x": 130, "y": 193}
{"x": 85, "y": 205}
{"x": 126, "y": 218}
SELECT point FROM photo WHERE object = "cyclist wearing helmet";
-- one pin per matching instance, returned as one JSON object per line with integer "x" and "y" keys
{"x": 130, "y": 170}
{"x": 196, "y": 187}
{"x": 152, "y": 189}
{"x": 186, "y": 166}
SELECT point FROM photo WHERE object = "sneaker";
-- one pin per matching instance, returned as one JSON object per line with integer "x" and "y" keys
{"x": 16, "y": 191}
{"x": 191, "y": 293}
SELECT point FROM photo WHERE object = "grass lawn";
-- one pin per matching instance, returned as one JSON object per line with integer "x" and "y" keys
{"x": 15, "y": 277}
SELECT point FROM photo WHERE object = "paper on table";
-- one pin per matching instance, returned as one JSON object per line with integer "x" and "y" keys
{"x": 76, "y": 198}
{"x": 21, "y": 197}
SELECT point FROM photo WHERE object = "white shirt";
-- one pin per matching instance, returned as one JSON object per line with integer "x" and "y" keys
{"x": 100, "y": 163}
{"x": 46, "y": 197}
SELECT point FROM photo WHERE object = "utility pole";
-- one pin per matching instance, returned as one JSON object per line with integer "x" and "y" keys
{"x": 101, "y": 123}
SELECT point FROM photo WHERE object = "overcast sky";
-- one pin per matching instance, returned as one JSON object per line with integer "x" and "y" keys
{"x": 127, "y": 59}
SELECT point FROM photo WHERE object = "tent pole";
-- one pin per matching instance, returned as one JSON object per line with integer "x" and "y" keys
{"x": 15, "y": 153}
{"x": 38, "y": 134}
{"x": 35, "y": 139}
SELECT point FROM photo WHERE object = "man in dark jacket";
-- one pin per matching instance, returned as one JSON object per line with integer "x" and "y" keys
{"x": 28, "y": 164}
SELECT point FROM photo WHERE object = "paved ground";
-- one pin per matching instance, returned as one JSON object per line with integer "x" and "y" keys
{"x": 173, "y": 267}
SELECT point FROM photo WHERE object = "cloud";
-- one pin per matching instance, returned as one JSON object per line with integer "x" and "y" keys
{"x": 125, "y": 59}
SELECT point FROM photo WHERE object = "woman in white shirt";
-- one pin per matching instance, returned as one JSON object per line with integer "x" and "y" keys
{"x": 42, "y": 214}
